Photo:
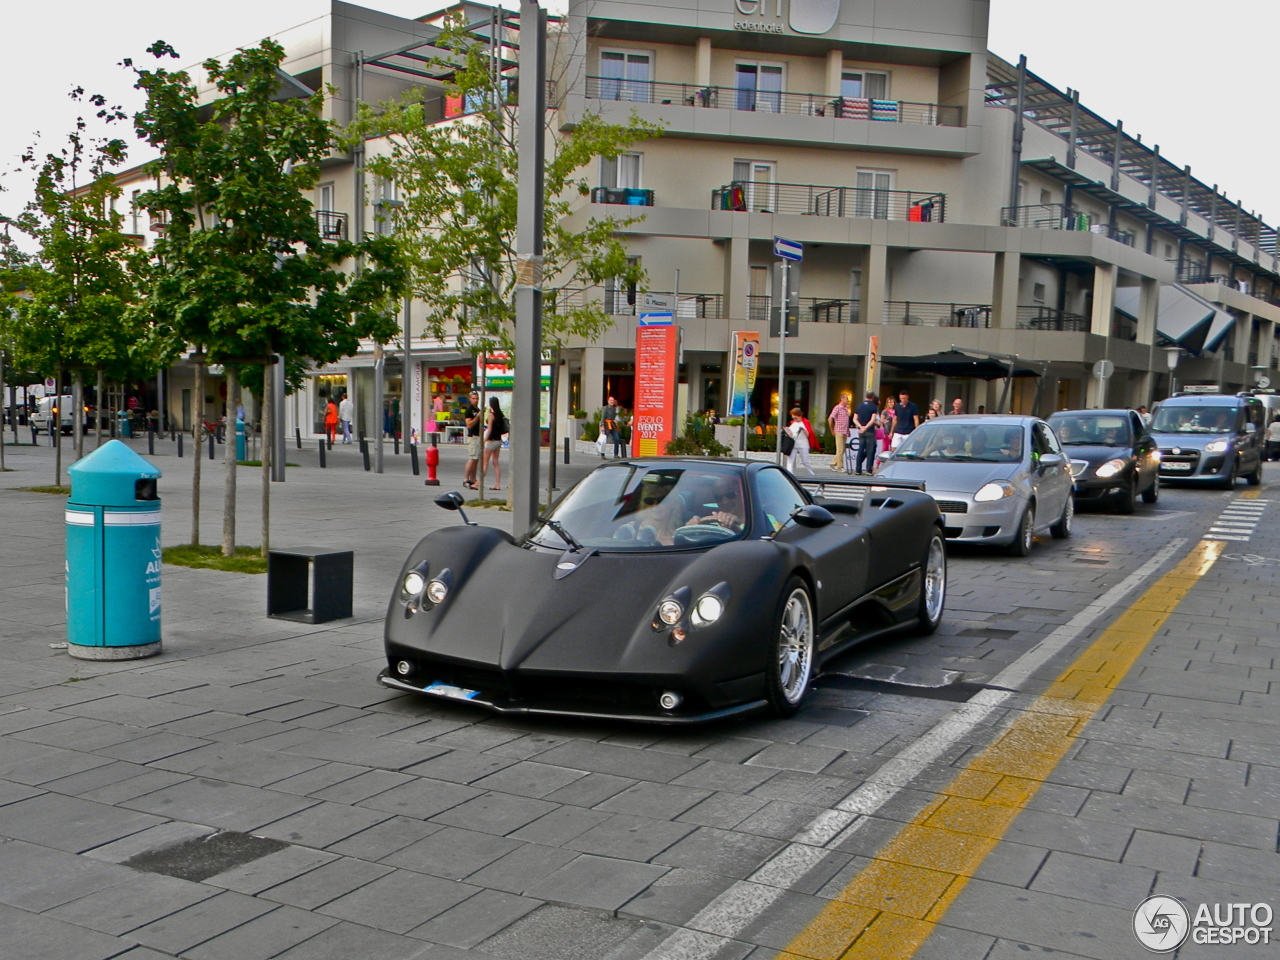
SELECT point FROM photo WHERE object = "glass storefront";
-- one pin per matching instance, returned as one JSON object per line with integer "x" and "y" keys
{"x": 326, "y": 386}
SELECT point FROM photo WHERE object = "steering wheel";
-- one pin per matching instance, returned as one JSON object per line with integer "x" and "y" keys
{"x": 700, "y": 533}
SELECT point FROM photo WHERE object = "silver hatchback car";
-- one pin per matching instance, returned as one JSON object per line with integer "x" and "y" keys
{"x": 998, "y": 480}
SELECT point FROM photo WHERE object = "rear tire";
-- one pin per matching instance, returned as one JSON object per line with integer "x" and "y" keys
{"x": 1152, "y": 493}
{"x": 1062, "y": 529}
{"x": 933, "y": 585}
{"x": 791, "y": 660}
{"x": 1021, "y": 545}
{"x": 1129, "y": 497}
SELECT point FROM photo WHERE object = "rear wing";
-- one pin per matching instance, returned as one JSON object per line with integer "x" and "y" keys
{"x": 855, "y": 488}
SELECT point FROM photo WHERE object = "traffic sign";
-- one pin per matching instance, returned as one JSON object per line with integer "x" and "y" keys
{"x": 657, "y": 309}
{"x": 1103, "y": 369}
{"x": 788, "y": 249}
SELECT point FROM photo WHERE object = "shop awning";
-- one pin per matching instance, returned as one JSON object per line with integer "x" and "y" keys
{"x": 1183, "y": 317}
{"x": 955, "y": 363}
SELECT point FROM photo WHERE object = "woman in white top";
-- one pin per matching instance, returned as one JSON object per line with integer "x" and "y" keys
{"x": 798, "y": 428}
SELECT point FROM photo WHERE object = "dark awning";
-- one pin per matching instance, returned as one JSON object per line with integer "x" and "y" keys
{"x": 954, "y": 363}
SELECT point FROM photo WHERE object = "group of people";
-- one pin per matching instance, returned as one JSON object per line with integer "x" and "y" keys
{"x": 341, "y": 413}
{"x": 876, "y": 427}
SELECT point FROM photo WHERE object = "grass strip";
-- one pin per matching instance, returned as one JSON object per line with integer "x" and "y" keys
{"x": 208, "y": 557}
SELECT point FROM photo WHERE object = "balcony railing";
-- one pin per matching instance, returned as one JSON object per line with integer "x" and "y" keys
{"x": 629, "y": 196}
{"x": 912, "y": 313}
{"x": 704, "y": 306}
{"x": 812, "y": 309}
{"x": 1047, "y": 318}
{"x": 774, "y": 101}
{"x": 1198, "y": 275}
{"x": 811, "y": 200}
{"x": 333, "y": 225}
{"x": 1057, "y": 216}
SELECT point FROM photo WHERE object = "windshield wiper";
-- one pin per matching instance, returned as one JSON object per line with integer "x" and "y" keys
{"x": 564, "y": 534}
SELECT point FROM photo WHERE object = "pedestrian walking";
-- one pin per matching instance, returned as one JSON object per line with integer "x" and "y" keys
{"x": 838, "y": 424}
{"x": 346, "y": 413}
{"x": 471, "y": 417}
{"x": 866, "y": 420}
{"x": 886, "y": 426}
{"x": 1146, "y": 417}
{"x": 495, "y": 428}
{"x": 609, "y": 426}
{"x": 1273, "y": 439}
{"x": 803, "y": 440}
{"x": 331, "y": 420}
{"x": 906, "y": 417}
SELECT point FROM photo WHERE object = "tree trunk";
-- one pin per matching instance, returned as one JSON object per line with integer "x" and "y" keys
{"x": 77, "y": 413}
{"x": 229, "y": 488}
{"x": 97, "y": 416}
{"x": 197, "y": 435}
{"x": 268, "y": 411}
{"x": 55, "y": 424}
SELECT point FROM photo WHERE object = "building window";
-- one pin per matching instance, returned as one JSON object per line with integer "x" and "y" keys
{"x": 872, "y": 194}
{"x": 855, "y": 284}
{"x": 1037, "y": 292}
{"x": 759, "y": 86}
{"x": 864, "y": 85}
{"x": 626, "y": 75}
{"x": 386, "y": 198}
{"x": 620, "y": 173}
{"x": 1046, "y": 198}
{"x": 134, "y": 211}
{"x": 759, "y": 182}
{"x": 758, "y": 290}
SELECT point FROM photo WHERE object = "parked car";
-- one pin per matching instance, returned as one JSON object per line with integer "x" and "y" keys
{"x": 664, "y": 589}
{"x": 1210, "y": 438}
{"x": 47, "y": 408}
{"x": 998, "y": 480}
{"x": 1114, "y": 459}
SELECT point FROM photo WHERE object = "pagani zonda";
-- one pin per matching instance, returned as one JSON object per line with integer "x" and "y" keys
{"x": 665, "y": 589}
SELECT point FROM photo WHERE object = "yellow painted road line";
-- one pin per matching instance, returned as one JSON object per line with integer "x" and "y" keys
{"x": 889, "y": 909}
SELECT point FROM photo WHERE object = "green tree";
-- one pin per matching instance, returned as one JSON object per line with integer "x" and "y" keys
{"x": 242, "y": 272}
{"x": 456, "y": 224}
{"x": 79, "y": 286}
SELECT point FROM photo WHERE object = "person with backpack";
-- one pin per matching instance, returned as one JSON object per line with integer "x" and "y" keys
{"x": 496, "y": 427}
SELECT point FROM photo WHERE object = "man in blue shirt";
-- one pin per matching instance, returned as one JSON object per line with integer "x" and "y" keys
{"x": 906, "y": 417}
{"x": 865, "y": 420}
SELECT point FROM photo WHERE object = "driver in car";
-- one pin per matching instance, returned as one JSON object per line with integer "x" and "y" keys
{"x": 729, "y": 511}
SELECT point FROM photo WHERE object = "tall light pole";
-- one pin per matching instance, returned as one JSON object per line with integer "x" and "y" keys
{"x": 1172, "y": 355}
{"x": 526, "y": 399}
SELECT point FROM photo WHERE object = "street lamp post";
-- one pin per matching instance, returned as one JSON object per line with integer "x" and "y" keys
{"x": 1172, "y": 355}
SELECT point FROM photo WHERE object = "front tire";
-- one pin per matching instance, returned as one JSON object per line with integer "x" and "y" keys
{"x": 1062, "y": 529}
{"x": 1152, "y": 493}
{"x": 1229, "y": 482}
{"x": 791, "y": 664}
{"x": 1129, "y": 497}
{"x": 933, "y": 585}
{"x": 1022, "y": 542}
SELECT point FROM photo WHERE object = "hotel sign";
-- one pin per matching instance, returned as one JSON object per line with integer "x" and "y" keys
{"x": 811, "y": 17}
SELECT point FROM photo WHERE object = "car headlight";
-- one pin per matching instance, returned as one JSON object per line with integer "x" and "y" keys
{"x": 437, "y": 590}
{"x": 707, "y": 610}
{"x": 670, "y": 611}
{"x": 413, "y": 583}
{"x": 996, "y": 490}
{"x": 1217, "y": 446}
{"x": 1110, "y": 468}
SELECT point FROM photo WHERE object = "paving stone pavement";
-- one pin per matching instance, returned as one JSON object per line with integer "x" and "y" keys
{"x": 419, "y": 829}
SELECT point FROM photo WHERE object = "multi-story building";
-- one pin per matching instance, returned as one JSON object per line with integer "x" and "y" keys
{"x": 945, "y": 197}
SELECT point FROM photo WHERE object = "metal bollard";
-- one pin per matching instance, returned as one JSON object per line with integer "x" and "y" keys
{"x": 364, "y": 452}
{"x": 298, "y": 435}
{"x": 212, "y": 440}
{"x": 413, "y": 458}
{"x": 566, "y": 451}
{"x": 433, "y": 460}
{"x": 322, "y": 463}
{"x": 179, "y": 446}
{"x": 395, "y": 444}
{"x": 151, "y": 442}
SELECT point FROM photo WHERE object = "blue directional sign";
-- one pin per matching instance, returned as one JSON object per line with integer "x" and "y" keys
{"x": 788, "y": 249}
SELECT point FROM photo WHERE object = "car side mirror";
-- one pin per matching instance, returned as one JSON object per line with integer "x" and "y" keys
{"x": 1050, "y": 460}
{"x": 812, "y": 515}
{"x": 453, "y": 501}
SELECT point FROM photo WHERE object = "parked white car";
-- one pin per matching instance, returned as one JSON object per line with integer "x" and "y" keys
{"x": 42, "y": 418}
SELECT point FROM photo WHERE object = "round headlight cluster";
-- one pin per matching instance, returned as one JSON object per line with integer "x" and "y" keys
{"x": 1110, "y": 468}
{"x": 670, "y": 611}
{"x": 413, "y": 583}
{"x": 437, "y": 590}
{"x": 707, "y": 610}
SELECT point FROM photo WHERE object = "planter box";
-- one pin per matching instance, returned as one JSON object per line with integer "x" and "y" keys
{"x": 573, "y": 428}
{"x": 729, "y": 436}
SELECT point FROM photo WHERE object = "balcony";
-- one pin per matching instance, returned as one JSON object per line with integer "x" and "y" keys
{"x": 1047, "y": 318}
{"x": 913, "y": 313}
{"x": 628, "y": 196}
{"x": 812, "y": 309}
{"x": 701, "y": 306}
{"x": 333, "y": 225}
{"x": 1057, "y": 216}
{"x": 810, "y": 200}
{"x": 774, "y": 101}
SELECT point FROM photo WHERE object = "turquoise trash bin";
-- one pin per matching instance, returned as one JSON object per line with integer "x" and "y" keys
{"x": 123, "y": 425}
{"x": 113, "y": 556}
{"x": 240, "y": 450}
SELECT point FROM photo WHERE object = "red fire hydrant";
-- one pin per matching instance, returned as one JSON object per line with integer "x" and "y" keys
{"x": 433, "y": 461}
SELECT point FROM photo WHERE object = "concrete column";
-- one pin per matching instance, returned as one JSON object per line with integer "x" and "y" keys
{"x": 821, "y": 389}
{"x": 593, "y": 397}
{"x": 562, "y": 390}
{"x": 737, "y": 276}
{"x": 940, "y": 393}
{"x": 1240, "y": 335}
{"x": 702, "y": 62}
{"x": 835, "y": 63}
{"x": 875, "y": 282}
{"x": 1104, "y": 299}
{"x": 1148, "y": 309}
{"x": 1004, "y": 290}
{"x": 1141, "y": 388}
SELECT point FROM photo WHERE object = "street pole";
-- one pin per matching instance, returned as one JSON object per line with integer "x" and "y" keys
{"x": 277, "y": 419}
{"x": 407, "y": 380}
{"x": 782, "y": 359}
{"x": 527, "y": 386}
{"x": 2, "y": 411}
{"x": 379, "y": 389}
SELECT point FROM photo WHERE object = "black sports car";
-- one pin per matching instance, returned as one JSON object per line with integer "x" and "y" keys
{"x": 1114, "y": 458}
{"x": 666, "y": 589}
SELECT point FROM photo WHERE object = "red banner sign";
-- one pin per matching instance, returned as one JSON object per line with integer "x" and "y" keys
{"x": 655, "y": 413}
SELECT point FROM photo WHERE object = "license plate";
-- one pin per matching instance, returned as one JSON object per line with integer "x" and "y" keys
{"x": 450, "y": 691}
{"x": 1175, "y": 466}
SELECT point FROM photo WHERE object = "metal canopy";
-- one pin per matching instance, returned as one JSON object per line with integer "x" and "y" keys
{"x": 955, "y": 363}
{"x": 1052, "y": 109}
{"x": 1183, "y": 317}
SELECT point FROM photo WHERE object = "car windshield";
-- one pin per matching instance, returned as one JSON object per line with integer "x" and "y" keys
{"x": 945, "y": 440}
{"x": 1091, "y": 429}
{"x": 649, "y": 508}
{"x": 1188, "y": 419}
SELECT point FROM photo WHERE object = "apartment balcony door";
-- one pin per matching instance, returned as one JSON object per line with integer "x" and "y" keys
{"x": 626, "y": 75}
{"x": 873, "y": 194}
{"x": 759, "y": 86}
{"x": 759, "y": 182}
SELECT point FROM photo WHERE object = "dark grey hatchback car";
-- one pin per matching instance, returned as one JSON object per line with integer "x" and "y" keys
{"x": 1114, "y": 460}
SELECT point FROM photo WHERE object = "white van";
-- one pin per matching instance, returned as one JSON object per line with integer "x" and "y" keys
{"x": 42, "y": 418}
